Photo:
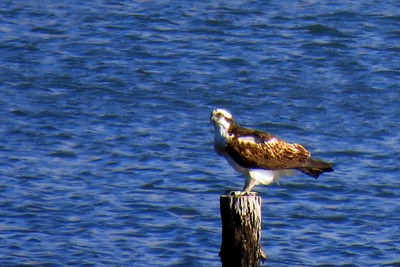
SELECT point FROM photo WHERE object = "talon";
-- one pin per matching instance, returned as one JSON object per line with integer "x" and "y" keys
{"x": 251, "y": 194}
{"x": 240, "y": 193}
{"x": 236, "y": 193}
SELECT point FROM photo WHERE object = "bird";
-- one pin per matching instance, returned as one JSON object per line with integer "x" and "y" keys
{"x": 261, "y": 157}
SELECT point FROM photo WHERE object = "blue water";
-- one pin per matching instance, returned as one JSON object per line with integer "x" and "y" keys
{"x": 106, "y": 151}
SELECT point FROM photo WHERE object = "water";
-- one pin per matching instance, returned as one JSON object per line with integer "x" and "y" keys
{"x": 106, "y": 147}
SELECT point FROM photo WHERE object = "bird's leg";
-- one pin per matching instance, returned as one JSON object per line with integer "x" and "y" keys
{"x": 249, "y": 184}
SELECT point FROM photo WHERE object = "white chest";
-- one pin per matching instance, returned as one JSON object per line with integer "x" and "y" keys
{"x": 220, "y": 140}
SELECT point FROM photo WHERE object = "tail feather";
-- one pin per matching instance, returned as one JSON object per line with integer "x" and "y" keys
{"x": 316, "y": 167}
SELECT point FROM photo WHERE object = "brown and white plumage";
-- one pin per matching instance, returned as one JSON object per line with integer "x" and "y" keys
{"x": 261, "y": 157}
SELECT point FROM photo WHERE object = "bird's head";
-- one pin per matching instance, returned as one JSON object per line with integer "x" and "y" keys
{"x": 221, "y": 119}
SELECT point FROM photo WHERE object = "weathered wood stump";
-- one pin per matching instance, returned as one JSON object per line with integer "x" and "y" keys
{"x": 241, "y": 231}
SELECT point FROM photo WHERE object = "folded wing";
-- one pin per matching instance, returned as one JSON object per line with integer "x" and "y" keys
{"x": 265, "y": 151}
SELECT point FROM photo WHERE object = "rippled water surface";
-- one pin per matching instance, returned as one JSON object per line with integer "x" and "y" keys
{"x": 106, "y": 147}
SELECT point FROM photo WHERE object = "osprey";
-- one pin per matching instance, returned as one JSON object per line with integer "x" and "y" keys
{"x": 261, "y": 157}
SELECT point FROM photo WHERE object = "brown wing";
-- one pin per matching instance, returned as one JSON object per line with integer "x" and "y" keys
{"x": 255, "y": 149}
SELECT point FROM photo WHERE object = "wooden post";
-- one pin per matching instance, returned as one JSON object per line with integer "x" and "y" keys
{"x": 241, "y": 231}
